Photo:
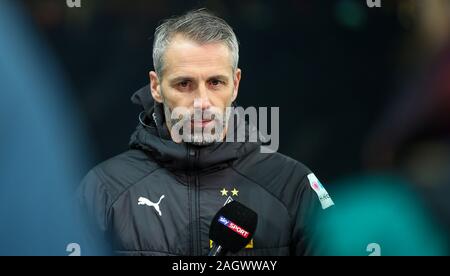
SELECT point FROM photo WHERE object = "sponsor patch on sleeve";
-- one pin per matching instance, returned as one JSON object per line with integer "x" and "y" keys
{"x": 324, "y": 197}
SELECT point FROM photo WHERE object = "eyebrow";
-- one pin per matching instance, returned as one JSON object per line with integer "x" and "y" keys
{"x": 220, "y": 77}
{"x": 187, "y": 78}
{"x": 180, "y": 79}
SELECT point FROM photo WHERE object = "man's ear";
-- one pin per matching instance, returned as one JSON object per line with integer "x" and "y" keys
{"x": 237, "y": 80}
{"x": 155, "y": 87}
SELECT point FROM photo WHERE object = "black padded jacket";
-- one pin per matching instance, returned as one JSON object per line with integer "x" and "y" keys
{"x": 159, "y": 197}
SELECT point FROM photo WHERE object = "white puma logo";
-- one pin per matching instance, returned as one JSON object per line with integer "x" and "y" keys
{"x": 145, "y": 201}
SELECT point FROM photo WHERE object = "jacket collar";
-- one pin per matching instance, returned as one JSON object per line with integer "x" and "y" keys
{"x": 152, "y": 136}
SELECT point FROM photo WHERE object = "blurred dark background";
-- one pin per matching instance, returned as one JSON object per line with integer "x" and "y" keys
{"x": 329, "y": 65}
{"x": 361, "y": 90}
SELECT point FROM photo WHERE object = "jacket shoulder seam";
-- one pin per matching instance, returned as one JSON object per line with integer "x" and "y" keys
{"x": 102, "y": 186}
{"x": 128, "y": 188}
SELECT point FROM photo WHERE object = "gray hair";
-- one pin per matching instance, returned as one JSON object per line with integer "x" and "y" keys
{"x": 200, "y": 26}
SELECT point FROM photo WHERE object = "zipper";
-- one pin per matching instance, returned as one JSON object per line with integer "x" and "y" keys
{"x": 194, "y": 192}
{"x": 197, "y": 200}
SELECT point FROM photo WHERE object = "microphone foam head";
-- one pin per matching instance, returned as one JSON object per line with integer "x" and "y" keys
{"x": 233, "y": 226}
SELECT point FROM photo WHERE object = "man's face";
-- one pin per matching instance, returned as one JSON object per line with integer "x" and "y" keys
{"x": 197, "y": 78}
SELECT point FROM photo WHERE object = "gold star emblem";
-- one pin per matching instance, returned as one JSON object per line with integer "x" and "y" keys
{"x": 235, "y": 192}
{"x": 224, "y": 192}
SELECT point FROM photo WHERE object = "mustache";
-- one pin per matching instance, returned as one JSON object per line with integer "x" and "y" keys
{"x": 198, "y": 115}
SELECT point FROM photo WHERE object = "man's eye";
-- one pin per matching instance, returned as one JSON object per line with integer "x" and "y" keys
{"x": 183, "y": 84}
{"x": 216, "y": 82}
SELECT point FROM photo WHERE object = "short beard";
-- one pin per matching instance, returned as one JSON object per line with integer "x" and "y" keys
{"x": 199, "y": 138}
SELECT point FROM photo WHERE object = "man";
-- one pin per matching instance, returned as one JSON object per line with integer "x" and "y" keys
{"x": 159, "y": 197}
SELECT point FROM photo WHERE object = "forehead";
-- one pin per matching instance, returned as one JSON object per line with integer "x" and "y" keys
{"x": 184, "y": 56}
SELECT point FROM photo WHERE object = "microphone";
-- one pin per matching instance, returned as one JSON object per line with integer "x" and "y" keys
{"x": 232, "y": 228}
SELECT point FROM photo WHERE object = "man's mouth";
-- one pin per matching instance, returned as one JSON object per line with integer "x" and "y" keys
{"x": 200, "y": 123}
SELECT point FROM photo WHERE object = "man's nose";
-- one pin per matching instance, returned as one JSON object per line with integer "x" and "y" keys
{"x": 202, "y": 99}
